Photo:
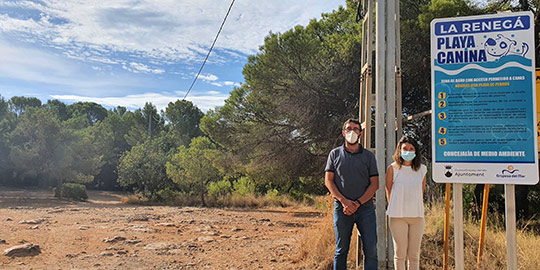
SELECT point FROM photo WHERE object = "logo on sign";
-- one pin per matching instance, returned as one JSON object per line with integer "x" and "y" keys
{"x": 448, "y": 171}
{"x": 510, "y": 172}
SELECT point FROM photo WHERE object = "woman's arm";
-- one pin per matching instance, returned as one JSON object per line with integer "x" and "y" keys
{"x": 389, "y": 181}
{"x": 424, "y": 184}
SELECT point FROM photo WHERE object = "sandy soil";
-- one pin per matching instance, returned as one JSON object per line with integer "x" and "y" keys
{"x": 103, "y": 233}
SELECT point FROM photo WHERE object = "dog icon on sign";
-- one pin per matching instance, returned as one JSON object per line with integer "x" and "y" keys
{"x": 501, "y": 46}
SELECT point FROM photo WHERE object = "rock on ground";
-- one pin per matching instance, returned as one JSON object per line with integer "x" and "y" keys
{"x": 23, "y": 250}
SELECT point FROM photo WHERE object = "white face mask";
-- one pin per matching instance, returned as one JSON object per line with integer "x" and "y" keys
{"x": 351, "y": 137}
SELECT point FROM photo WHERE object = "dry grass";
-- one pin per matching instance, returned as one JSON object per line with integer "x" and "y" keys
{"x": 252, "y": 201}
{"x": 528, "y": 246}
{"x": 234, "y": 201}
{"x": 140, "y": 199}
{"x": 494, "y": 253}
{"x": 317, "y": 247}
{"x": 136, "y": 198}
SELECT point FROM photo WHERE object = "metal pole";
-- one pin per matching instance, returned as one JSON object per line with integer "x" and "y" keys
{"x": 366, "y": 95}
{"x": 399, "y": 110}
{"x": 446, "y": 225}
{"x": 511, "y": 242}
{"x": 390, "y": 81}
{"x": 366, "y": 80}
{"x": 370, "y": 96}
{"x": 458, "y": 226}
{"x": 483, "y": 225}
{"x": 379, "y": 131}
{"x": 390, "y": 98}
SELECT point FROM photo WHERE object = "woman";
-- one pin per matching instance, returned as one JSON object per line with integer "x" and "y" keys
{"x": 405, "y": 184}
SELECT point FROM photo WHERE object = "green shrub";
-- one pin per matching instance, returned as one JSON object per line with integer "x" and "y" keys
{"x": 272, "y": 194}
{"x": 219, "y": 189}
{"x": 301, "y": 197}
{"x": 74, "y": 191}
{"x": 243, "y": 187}
{"x": 273, "y": 198}
{"x": 166, "y": 195}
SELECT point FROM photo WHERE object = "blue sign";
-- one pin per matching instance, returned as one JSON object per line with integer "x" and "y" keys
{"x": 484, "y": 99}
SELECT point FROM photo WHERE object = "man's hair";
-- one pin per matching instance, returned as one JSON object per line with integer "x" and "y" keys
{"x": 416, "y": 162}
{"x": 352, "y": 120}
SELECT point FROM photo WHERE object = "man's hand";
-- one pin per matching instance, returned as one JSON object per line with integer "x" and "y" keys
{"x": 349, "y": 207}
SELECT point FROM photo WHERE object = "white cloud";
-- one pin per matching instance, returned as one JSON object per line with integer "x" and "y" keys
{"x": 229, "y": 83}
{"x": 209, "y": 77}
{"x": 50, "y": 71}
{"x": 225, "y": 83}
{"x": 20, "y": 4}
{"x": 80, "y": 50}
{"x": 213, "y": 80}
{"x": 142, "y": 68}
{"x": 163, "y": 30}
{"x": 204, "y": 102}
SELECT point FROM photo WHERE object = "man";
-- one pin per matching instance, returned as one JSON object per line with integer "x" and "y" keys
{"x": 352, "y": 178}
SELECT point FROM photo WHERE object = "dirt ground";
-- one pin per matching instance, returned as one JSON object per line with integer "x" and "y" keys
{"x": 103, "y": 233}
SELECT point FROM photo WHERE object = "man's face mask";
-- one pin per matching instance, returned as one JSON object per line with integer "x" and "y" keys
{"x": 351, "y": 137}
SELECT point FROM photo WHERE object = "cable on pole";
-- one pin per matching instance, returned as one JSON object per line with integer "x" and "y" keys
{"x": 359, "y": 12}
{"x": 209, "y": 51}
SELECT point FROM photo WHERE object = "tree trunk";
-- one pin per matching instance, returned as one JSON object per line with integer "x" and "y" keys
{"x": 522, "y": 202}
{"x": 524, "y": 5}
{"x": 202, "y": 199}
{"x": 57, "y": 193}
{"x": 478, "y": 199}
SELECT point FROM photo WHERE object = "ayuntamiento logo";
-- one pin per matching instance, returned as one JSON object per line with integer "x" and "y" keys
{"x": 448, "y": 171}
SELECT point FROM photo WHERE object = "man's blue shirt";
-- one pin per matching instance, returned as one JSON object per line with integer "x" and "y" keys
{"x": 352, "y": 170}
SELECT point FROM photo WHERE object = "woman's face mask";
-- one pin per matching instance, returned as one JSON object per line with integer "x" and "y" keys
{"x": 407, "y": 155}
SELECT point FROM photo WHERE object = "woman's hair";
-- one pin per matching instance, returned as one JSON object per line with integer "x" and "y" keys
{"x": 397, "y": 155}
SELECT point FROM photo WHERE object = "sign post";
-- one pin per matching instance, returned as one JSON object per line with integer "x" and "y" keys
{"x": 537, "y": 108}
{"x": 484, "y": 107}
{"x": 510, "y": 213}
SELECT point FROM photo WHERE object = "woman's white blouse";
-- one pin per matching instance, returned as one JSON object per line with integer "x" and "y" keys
{"x": 406, "y": 197}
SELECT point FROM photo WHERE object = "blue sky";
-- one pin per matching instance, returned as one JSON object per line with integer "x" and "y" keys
{"x": 128, "y": 52}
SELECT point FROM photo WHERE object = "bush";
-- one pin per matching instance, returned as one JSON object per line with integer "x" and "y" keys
{"x": 74, "y": 191}
{"x": 301, "y": 197}
{"x": 137, "y": 198}
{"x": 243, "y": 187}
{"x": 248, "y": 201}
{"x": 272, "y": 197}
{"x": 167, "y": 195}
{"x": 219, "y": 189}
